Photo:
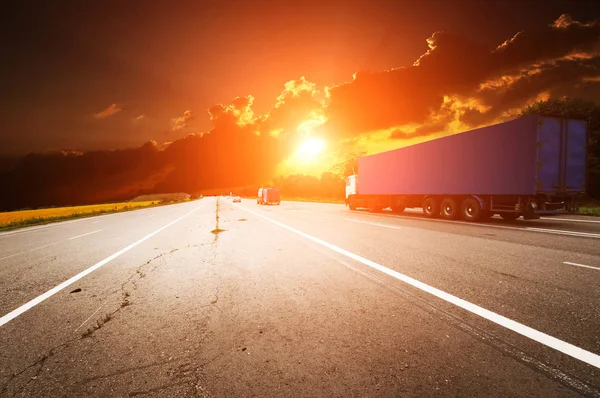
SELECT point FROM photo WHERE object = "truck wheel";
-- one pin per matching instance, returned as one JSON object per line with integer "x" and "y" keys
{"x": 509, "y": 216}
{"x": 449, "y": 209}
{"x": 430, "y": 208}
{"x": 352, "y": 204}
{"x": 470, "y": 210}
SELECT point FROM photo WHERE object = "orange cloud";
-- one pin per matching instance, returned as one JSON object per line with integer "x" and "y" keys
{"x": 179, "y": 123}
{"x": 111, "y": 110}
{"x": 139, "y": 118}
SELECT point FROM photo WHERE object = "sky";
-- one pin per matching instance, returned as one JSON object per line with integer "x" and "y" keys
{"x": 303, "y": 83}
{"x": 100, "y": 75}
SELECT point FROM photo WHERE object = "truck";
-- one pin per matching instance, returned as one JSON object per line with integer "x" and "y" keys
{"x": 268, "y": 196}
{"x": 527, "y": 167}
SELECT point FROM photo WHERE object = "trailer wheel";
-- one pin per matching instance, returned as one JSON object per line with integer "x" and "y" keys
{"x": 430, "y": 208}
{"x": 470, "y": 210}
{"x": 509, "y": 216}
{"x": 449, "y": 209}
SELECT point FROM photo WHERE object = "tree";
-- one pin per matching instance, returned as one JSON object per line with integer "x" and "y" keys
{"x": 349, "y": 166}
{"x": 577, "y": 108}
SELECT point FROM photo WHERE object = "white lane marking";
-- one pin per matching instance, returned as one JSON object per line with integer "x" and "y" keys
{"x": 373, "y": 223}
{"x": 563, "y": 232}
{"x": 530, "y": 229}
{"x": 27, "y": 306}
{"x": 89, "y": 233}
{"x": 30, "y": 250}
{"x": 581, "y": 265}
{"x": 90, "y": 317}
{"x": 542, "y": 338}
{"x": 569, "y": 219}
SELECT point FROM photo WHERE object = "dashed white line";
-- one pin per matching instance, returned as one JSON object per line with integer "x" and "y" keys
{"x": 373, "y": 223}
{"x": 533, "y": 334}
{"x": 27, "y": 306}
{"x": 581, "y": 265}
{"x": 30, "y": 250}
{"x": 89, "y": 233}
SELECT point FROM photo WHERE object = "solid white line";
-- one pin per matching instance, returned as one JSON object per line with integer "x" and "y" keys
{"x": 57, "y": 224}
{"x": 562, "y": 232}
{"x": 373, "y": 223}
{"x": 89, "y": 233}
{"x": 529, "y": 229}
{"x": 569, "y": 219}
{"x": 30, "y": 250}
{"x": 543, "y": 338}
{"x": 27, "y": 306}
{"x": 581, "y": 265}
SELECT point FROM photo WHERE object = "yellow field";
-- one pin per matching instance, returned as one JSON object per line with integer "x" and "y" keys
{"x": 66, "y": 212}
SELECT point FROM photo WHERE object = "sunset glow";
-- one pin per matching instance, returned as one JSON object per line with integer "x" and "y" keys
{"x": 310, "y": 149}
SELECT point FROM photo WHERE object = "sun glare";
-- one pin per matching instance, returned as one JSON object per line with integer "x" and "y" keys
{"x": 310, "y": 149}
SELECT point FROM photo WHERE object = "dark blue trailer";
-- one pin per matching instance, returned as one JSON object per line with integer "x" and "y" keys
{"x": 525, "y": 167}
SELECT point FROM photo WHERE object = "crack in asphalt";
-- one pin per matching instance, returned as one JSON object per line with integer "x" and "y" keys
{"x": 41, "y": 361}
{"x": 88, "y": 333}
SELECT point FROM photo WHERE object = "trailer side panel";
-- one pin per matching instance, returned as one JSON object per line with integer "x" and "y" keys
{"x": 494, "y": 160}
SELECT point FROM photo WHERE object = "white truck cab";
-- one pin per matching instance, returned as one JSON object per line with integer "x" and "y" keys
{"x": 351, "y": 186}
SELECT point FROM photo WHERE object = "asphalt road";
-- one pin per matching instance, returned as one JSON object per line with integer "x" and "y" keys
{"x": 203, "y": 299}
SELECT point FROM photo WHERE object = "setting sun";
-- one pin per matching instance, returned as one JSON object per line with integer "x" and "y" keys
{"x": 310, "y": 149}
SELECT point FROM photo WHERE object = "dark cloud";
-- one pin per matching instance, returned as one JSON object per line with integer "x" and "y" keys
{"x": 565, "y": 36}
{"x": 455, "y": 65}
{"x": 549, "y": 78}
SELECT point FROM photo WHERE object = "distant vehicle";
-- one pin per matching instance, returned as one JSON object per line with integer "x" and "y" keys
{"x": 268, "y": 196}
{"x": 237, "y": 199}
{"x": 525, "y": 167}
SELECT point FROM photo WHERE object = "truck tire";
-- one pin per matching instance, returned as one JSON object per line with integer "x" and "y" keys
{"x": 449, "y": 209}
{"x": 470, "y": 210}
{"x": 509, "y": 216}
{"x": 352, "y": 204}
{"x": 431, "y": 208}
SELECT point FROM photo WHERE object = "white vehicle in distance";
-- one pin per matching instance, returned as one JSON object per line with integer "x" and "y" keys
{"x": 237, "y": 199}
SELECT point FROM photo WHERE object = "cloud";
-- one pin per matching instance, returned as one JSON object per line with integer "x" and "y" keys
{"x": 457, "y": 84}
{"x": 456, "y": 66}
{"x": 180, "y": 123}
{"x": 111, "y": 110}
{"x": 138, "y": 118}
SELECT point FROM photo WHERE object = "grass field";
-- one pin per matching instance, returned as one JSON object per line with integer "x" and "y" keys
{"x": 16, "y": 219}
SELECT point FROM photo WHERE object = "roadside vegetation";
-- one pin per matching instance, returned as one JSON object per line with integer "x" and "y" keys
{"x": 163, "y": 197}
{"x": 590, "y": 211}
{"x": 24, "y": 218}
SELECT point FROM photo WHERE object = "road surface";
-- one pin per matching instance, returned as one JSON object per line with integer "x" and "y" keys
{"x": 210, "y": 298}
